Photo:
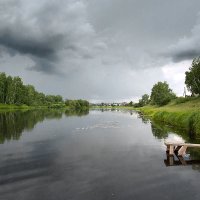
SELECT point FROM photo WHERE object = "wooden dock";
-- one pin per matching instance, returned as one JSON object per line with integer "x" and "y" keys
{"x": 178, "y": 148}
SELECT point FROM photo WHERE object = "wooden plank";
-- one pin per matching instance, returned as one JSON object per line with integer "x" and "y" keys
{"x": 171, "y": 150}
{"x": 182, "y": 150}
{"x": 174, "y": 147}
{"x": 182, "y": 144}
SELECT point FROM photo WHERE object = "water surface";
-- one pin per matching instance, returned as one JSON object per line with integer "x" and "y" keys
{"x": 101, "y": 155}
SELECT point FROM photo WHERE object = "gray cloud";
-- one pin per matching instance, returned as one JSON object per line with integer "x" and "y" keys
{"x": 185, "y": 54}
{"x": 146, "y": 22}
{"x": 43, "y": 65}
{"x": 45, "y": 30}
{"x": 186, "y": 48}
{"x": 42, "y": 48}
{"x": 108, "y": 49}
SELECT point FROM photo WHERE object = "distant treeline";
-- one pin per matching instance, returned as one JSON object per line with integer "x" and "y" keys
{"x": 14, "y": 92}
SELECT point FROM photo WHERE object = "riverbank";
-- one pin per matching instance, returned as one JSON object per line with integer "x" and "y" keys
{"x": 10, "y": 108}
{"x": 4, "y": 107}
{"x": 183, "y": 115}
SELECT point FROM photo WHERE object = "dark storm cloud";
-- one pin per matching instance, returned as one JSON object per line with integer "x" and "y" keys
{"x": 185, "y": 55}
{"x": 187, "y": 47}
{"x": 43, "y": 65}
{"x": 44, "y": 31}
{"x": 43, "y": 48}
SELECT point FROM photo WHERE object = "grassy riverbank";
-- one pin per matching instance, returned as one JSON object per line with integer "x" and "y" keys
{"x": 6, "y": 107}
{"x": 180, "y": 113}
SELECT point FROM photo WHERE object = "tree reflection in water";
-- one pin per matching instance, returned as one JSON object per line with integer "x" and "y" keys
{"x": 144, "y": 118}
{"x": 12, "y": 124}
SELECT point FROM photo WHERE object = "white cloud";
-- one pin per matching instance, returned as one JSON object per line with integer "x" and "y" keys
{"x": 174, "y": 74}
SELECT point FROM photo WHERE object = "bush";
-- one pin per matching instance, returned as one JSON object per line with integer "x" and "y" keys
{"x": 77, "y": 104}
{"x": 180, "y": 100}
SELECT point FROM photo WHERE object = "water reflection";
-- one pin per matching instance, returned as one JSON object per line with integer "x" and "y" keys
{"x": 158, "y": 131}
{"x": 12, "y": 124}
{"x": 116, "y": 156}
{"x": 79, "y": 113}
{"x": 163, "y": 131}
{"x": 131, "y": 112}
{"x": 176, "y": 160}
{"x": 143, "y": 117}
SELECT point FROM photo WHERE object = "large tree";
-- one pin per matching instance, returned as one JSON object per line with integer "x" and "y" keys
{"x": 161, "y": 94}
{"x": 192, "y": 77}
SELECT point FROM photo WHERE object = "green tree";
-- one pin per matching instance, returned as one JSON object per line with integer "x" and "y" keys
{"x": 2, "y": 87}
{"x": 10, "y": 93}
{"x": 13, "y": 91}
{"x": 58, "y": 99}
{"x": 19, "y": 90}
{"x": 130, "y": 103}
{"x": 145, "y": 100}
{"x": 161, "y": 94}
{"x": 192, "y": 77}
{"x": 31, "y": 95}
{"x": 41, "y": 99}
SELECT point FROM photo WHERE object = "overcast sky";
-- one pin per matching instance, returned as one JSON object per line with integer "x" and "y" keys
{"x": 100, "y": 50}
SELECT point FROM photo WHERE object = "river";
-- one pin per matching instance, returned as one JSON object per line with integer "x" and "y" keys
{"x": 96, "y": 155}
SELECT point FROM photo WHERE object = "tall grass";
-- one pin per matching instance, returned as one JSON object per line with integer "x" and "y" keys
{"x": 182, "y": 113}
{"x": 12, "y": 107}
{"x": 196, "y": 123}
{"x": 178, "y": 119}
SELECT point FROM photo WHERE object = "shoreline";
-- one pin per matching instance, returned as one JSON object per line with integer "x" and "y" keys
{"x": 184, "y": 116}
